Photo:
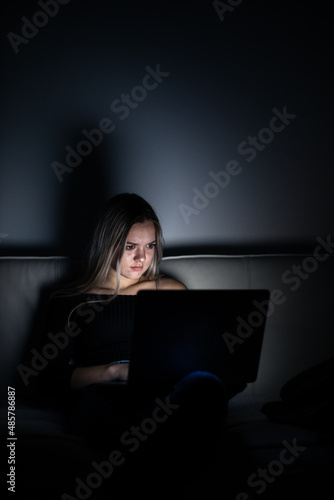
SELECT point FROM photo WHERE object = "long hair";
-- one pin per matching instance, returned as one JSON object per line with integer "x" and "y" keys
{"x": 109, "y": 240}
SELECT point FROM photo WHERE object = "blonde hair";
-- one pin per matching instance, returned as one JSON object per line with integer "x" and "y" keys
{"x": 109, "y": 240}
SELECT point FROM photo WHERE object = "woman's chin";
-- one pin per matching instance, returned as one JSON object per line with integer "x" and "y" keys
{"x": 133, "y": 274}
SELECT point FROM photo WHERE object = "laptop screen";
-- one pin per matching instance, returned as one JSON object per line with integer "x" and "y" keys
{"x": 181, "y": 331}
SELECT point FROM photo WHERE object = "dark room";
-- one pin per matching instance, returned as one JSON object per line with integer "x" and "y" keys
{"x": 166, "y": 249}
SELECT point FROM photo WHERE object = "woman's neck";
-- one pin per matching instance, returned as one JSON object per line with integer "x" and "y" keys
{"x": 111, "y": 281}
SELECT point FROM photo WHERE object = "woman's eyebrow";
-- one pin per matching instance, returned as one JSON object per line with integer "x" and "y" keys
{"x": 131, "y": 243}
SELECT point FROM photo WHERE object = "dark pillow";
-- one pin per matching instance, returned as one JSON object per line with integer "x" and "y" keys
{"x": 307, "y": 400}
{"x": 312, "y": 385}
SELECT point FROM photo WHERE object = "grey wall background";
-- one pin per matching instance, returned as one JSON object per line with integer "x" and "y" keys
{"x": 228, "y": 69}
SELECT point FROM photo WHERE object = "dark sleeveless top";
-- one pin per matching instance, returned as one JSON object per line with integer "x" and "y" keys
{"x": 86, "y": 330}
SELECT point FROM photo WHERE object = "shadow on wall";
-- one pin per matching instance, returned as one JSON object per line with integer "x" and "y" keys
{"x": 79, "y": 194}
{"x": 83, "y": 194}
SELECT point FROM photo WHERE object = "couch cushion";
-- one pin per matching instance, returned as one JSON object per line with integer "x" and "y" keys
{"x": 208, "y": 271}
{"x": 299, "y": 330}
{"x": 24, "y": 285}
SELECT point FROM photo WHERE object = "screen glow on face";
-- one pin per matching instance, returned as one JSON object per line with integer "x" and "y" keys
{"x": 139, "y": 250}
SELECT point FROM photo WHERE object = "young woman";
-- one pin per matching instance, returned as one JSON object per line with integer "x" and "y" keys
{"x": 94, "y": 319}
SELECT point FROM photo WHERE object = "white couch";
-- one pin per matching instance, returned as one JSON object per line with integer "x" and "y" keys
{"x": 299, "y": 334}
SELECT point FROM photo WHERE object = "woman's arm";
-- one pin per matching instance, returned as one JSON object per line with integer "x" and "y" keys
{"x": 171, "y": 284}
{"x": 83, "y": 376}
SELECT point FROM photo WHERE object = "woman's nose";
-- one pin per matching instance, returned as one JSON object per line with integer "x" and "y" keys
{"x": 140, "y": 255}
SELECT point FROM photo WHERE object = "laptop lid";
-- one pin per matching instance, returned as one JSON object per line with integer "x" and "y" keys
{"x": 177, "y": 332}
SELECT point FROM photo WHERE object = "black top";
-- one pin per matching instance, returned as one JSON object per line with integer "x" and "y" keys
{"x": 85, "y": 330}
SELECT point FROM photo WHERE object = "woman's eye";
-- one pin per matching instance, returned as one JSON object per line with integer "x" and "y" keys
{"x": 150, "y": 246}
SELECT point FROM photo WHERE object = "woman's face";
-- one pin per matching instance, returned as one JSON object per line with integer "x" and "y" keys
{"x": 139, "y": 250}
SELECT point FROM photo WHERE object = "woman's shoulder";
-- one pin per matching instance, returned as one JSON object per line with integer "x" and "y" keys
{"x": 166, "y": 283}
{"x": 156, "y": 283}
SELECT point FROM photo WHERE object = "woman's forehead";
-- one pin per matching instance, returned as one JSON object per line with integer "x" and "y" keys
{"x": 142, "y": 232}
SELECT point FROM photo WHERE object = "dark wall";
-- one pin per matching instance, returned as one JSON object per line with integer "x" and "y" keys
{"x": 219, "y": 114}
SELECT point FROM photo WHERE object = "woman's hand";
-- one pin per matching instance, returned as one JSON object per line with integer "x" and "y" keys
{"x": 119, "y": 371}
{"x": 83, "y": 376}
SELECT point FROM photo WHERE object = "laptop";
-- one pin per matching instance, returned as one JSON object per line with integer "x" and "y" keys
{"x": 177, "y": 332}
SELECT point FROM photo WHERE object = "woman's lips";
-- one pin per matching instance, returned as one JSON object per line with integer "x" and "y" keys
{"x": 137, "y": 268}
